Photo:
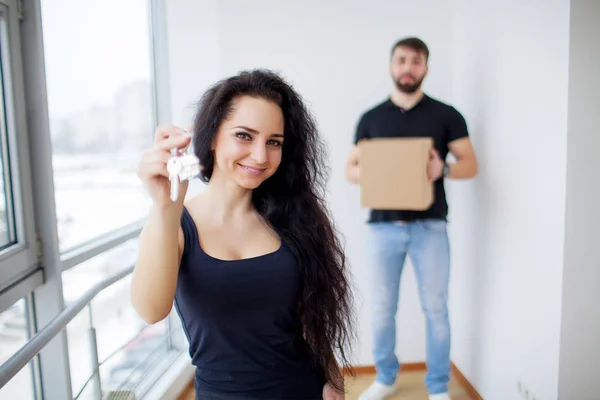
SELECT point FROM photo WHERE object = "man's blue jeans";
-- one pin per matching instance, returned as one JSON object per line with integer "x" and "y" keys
{"x": 426, "y": 243}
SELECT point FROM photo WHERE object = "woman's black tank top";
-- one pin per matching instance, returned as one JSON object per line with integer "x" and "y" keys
{"x": 240, "y": 318}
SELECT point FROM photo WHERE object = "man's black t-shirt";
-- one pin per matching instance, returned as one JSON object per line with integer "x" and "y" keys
{"x": 428, "y": 118}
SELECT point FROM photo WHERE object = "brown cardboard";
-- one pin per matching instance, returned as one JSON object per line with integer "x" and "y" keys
{"x": 393, "y": 173}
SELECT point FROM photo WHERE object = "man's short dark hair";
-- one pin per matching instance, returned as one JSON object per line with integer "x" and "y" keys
{"x": 412, "y": 43}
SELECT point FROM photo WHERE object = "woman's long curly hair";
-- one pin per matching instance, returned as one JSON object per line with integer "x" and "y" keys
{"x": 292, "y": 201}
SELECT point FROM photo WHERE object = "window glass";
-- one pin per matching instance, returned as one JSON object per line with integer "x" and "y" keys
{"x": 98, "y": 71}
{"x": 13, "y": 336}
{"x": 7, "y": 225}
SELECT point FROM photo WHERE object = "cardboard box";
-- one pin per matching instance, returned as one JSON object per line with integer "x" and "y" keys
{"x": 393, "y": 173}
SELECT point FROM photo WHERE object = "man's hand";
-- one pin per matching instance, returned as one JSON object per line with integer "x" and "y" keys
{"x": 435, "y": 166}
{"x": 329, "y": 393}
{"x": 352, "y": 169}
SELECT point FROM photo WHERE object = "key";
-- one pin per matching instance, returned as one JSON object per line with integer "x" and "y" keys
{"x": 189, "y": 167}
{"x": 174, "y": 168}
{"x": 182, "y": 168}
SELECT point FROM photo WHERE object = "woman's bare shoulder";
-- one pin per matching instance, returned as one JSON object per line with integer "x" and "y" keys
{"x": 195, "y": 205}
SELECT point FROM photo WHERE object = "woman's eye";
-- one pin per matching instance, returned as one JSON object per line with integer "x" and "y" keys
{"x": 243, "y": 135}
{"x": 275, "y": 143}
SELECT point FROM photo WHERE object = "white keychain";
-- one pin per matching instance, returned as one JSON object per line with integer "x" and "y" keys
{"x": 182, "y": 168}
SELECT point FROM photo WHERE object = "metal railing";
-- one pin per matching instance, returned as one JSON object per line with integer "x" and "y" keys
{"x": 38, "y": 341}
{"x": 154, "y": 356}
{"x": 96, "y": 246}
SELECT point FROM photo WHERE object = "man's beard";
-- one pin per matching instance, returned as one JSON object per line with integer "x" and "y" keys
{"x": 408, "y": 88}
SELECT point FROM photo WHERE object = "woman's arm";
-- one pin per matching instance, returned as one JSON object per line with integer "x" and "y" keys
{"x": 161, "y": 241}
{"x": 155, "y": 273}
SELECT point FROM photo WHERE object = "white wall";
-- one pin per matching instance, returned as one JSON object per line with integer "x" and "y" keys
{"x": 580, "y": 338}
{"x": 192, "y": 31}
{"x": 510, "y": 79}
{"x": 338, "y": 62}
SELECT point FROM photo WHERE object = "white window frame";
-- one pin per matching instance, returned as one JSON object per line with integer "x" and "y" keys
{"x": 20, "y": 270}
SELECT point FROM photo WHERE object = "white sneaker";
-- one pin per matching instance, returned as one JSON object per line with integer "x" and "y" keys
{"x": 439, "y": 396}
{"x": 377, "y": 391}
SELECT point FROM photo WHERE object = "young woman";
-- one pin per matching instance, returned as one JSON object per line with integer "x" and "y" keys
{"x": 253, "y": 262}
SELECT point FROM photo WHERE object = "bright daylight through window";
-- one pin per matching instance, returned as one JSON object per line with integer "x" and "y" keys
{"x": 7, "y": 231}
{"x": 13, "y": 335}
{"x": 94, "y": 60}
{"x": 98, "y": 71}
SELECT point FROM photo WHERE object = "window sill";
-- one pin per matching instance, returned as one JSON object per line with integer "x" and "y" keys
{"x": 174, "y": 380}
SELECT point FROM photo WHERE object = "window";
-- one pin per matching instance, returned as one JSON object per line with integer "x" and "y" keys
{"x": 107, "y": 309}
{"x": 128, "y": 349}
{"x": 18, "y": 261}
{"x": 13, "y": 335}
{"x": 101, "y": 108}
{"x": 96, "y": 64}
{"x": 7, "y": 225}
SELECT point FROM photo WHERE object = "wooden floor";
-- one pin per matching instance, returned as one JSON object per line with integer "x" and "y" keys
{"x": 410, "y": 387}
